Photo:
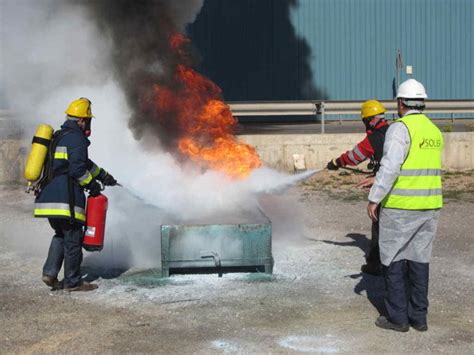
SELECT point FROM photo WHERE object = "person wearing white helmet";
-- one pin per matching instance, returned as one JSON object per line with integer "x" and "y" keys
{"x": 411, "y": 94}
{"x": 408, "y": 189}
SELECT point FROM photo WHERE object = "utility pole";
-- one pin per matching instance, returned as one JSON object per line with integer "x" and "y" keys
{"x": 398, "y": 66}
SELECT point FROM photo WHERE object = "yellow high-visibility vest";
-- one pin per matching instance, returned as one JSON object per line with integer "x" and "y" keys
{"x": 419, "y": 185}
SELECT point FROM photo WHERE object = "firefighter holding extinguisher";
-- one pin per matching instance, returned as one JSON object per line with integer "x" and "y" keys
{"x": 371, "y": 147}
{"x": 67, "y": 172}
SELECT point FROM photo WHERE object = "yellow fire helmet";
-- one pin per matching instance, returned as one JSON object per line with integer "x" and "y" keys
{"x": 371, "y": 108}
{"x": 80, "y": 108}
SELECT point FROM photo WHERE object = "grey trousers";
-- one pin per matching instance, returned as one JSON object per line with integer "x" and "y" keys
{"x": 66, "y": 246}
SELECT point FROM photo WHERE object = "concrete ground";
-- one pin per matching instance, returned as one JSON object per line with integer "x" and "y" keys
{"x": 316, "y": 302}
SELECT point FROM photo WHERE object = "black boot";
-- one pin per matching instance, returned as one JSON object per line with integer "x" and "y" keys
{"x": 384, "y": 323}
{"x": 419, "y": 327}
{"x": 53, "y": 282}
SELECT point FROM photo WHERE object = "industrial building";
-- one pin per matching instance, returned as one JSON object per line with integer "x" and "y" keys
{"x": 336, "y": 49}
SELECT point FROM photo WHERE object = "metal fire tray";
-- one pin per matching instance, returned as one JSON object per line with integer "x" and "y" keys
{"x": 195, "y": 247}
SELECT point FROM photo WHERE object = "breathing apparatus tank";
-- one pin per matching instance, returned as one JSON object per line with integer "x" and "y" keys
{"x": 96, "y": 212}
{"x": 37, "y": 156}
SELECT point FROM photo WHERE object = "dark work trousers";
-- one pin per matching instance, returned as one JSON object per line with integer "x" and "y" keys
{"x": 407, "y": 291}
{"x": 66, "y": 246}
{"x": 373, "y": 257}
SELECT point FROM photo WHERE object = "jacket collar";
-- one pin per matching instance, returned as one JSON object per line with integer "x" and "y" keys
{"x": 412, "y": 112}
{"x": 72, "y": 124}
{"x": 381, "y": 124}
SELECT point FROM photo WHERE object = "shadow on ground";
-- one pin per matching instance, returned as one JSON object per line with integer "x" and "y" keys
{"x": 93, "y": 268}
{"x": 373, "y": 286}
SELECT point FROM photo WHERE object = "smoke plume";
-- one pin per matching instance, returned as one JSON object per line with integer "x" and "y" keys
{"x": 140, "y": 32}
{"x": 112, "y": 52}
{"x": 155, "y": 65}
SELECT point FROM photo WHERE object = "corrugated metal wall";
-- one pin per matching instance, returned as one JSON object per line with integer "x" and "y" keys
{"x": 342, "y": 50}
{"x": 354, "y": 45}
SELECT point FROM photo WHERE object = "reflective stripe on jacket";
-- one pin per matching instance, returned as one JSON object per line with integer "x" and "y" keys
{"x": 370, "y": 147}
{"x": 55, "y": 210}
{"x": 71, "y": 165}
{"x": 418, "y": 187}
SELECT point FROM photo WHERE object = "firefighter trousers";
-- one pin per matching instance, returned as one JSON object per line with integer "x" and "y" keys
{"x": 66, "y": 246}
{"x": 373, "y": 257}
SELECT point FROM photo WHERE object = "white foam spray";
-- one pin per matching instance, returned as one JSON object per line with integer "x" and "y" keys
{"x": 52, "y": 55}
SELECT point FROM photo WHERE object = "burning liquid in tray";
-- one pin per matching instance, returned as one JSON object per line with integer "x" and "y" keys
{"x": 205, "y": 123}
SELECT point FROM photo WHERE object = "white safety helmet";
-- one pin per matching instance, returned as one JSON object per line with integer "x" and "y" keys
{"x": 411, "y": 89}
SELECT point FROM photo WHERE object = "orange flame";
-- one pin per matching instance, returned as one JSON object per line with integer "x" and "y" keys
{"x": 205, "y": 122}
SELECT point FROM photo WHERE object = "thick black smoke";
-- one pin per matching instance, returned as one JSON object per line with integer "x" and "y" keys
{"x": 253, "y": 51}
{"x": 141, "y": 56}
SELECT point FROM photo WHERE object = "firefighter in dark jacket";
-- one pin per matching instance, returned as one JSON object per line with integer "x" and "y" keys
{"x": 371, "y": 147}
{"x": 62, "y": 199}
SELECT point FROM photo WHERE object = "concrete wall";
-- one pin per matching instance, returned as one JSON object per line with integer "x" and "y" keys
{"x": 277, "y": 150}
{"x": 12, "y": 161}
{"x": 12, "y": 150}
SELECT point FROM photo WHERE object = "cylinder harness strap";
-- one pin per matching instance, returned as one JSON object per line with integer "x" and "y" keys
{"x": 49, "y": 173}
{"x": 42, "y": 141}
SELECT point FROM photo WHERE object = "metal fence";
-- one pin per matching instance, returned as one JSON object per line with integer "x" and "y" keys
{"x": 326, "y": 109}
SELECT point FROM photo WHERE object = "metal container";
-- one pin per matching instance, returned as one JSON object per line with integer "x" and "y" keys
{"x": 219, "y": 247}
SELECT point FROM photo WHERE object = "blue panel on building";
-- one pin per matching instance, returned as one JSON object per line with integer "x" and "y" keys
{"x": 335, "y": 49}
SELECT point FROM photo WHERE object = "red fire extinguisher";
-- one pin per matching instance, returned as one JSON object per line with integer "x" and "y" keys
{"x": 96, "y": 213}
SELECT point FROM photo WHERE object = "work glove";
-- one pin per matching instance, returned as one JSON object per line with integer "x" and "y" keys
{"x": 109, "y": 180}
{"x": 94, "y": 188}
{"x": 332, "y": 165}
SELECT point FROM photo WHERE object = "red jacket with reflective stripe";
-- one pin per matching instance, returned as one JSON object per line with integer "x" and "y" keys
{"x": 370, "y": 146}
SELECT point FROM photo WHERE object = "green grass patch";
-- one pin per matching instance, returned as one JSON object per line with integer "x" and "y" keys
{"x": 466, "y": 195}
{"x": 469, "y": 127}
{"x": 346, "y": 182}
{"x": 447, "y": 128}
{"x": 354, "y": 197}
{"x": 457, "y": 173}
